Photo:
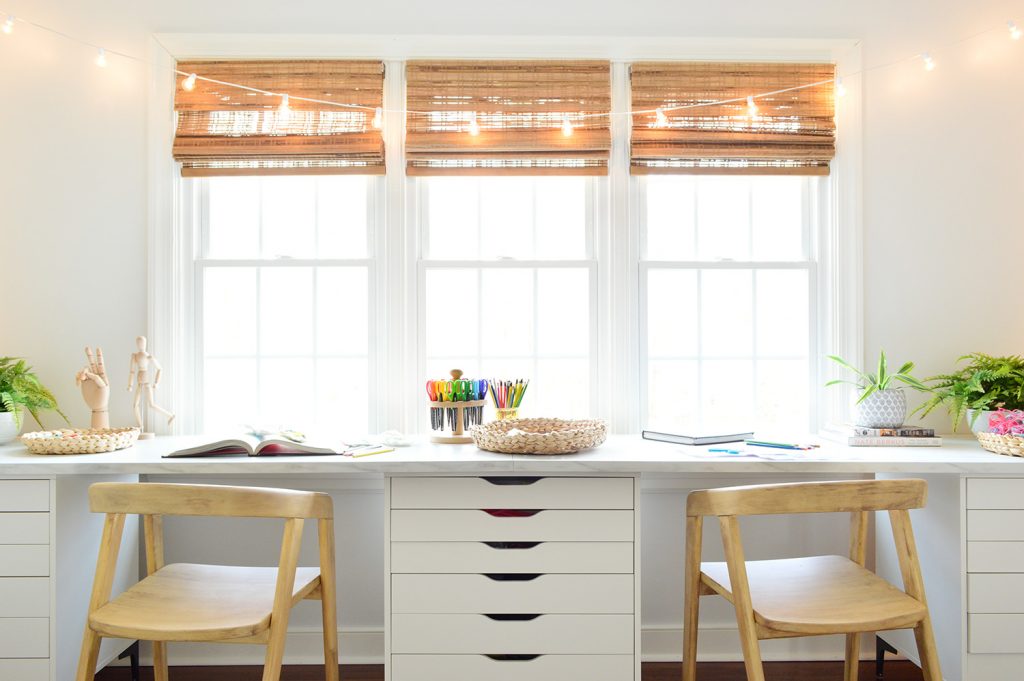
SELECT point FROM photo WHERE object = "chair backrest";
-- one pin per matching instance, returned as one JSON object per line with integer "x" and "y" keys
{"x": 157, "y": 498}
{"x": 809, "y": 497}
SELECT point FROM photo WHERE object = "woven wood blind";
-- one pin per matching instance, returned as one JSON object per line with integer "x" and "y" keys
{"x": 224, "y": 130}
{"x": 792, "y": 132}
{"x": 520, "y": 107}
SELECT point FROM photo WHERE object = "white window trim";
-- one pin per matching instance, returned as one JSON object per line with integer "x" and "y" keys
{"x": 394, "y": 332}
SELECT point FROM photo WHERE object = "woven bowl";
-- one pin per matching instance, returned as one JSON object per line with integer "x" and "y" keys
{"x": 1009, "y": 445}
{"x": 539, "y": 436}
{"x": 79, "y": 440}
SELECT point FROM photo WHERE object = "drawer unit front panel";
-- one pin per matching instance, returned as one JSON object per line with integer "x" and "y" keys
{"x": 543, "y": 635}
{"x": 512, "y": 492}
{"x": 25, "y": 561}
{"x": 474, "y": 594}
{"x": 993, "y": 633}
{"x": 995, "y": 556}
{"x": 25, "y": 670}
{"x": 470, "y": 525}
{"x": 541, "y": 668}
{"x": 995, "y": 493}
{"x": 995, "y": 525}
{"x": 24, "y": 528}
{"x": 24, "y": 495}
{"x": 24, "y": 637}
{"x": 24, "y": 597}
{"x": 543, "y": 557}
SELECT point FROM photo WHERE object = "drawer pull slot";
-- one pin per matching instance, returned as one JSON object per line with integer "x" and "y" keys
{"x": 509, "y": 617}
{"x": 512, "y": 479}
{"x": 511, "y": 512}
{"x": 511, "y": 657}
{"x": 512, "y": 576}
{"x": 503, "y": 545}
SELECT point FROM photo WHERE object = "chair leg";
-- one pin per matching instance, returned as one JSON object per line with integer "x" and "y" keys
{"x": 328, "y": 597}
{"x": 930, "y": 669}
{"x": 691, "y": 597}
{"x": 90, "y": 654}
{"x": 852, "y": 657}
{"x": 160, "y": 672}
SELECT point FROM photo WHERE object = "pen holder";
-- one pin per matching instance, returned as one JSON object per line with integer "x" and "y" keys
{"x": 455, "y": 420}
{"x": 506, "y": 414}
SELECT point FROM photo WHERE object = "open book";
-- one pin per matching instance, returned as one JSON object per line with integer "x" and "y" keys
{"x": 266, "y": 444}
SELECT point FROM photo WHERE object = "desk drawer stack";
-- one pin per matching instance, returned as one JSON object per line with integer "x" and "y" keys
{"x": 509, "y": 578}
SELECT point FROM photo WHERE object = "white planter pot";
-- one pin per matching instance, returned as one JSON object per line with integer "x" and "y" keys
{"x": 8, "y": 428}
{"x": 882, "y": 409}
{"x": 979, "y": 423}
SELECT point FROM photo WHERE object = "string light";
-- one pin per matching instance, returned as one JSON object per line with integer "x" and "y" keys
{"x": 8, "y": 26}
{"x": 189, "y": 84}
{"x": 1015, "y": 32}
{"x": 660, "y": 119}
{"x": 929, "y": 63}
{"x": 566, "y": 126}
{"x": 378, "y": 118}
{"x": 840, "y": 88}
{"x": 474, "y": 127}
{"x": 751, "y": 105}
{"x": 101, "y": 58}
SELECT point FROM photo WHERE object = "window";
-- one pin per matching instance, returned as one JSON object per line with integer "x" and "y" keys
{"x": 506, "y": 284}
{"x": 728, "y": 281}
{"x": 282, "y": 279}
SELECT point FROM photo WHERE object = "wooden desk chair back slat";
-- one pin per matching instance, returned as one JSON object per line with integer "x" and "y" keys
{"x": 808, "y": 596}
{"x": 138, "y": 614}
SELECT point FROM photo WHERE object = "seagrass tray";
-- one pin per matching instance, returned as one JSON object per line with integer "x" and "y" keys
{"x": 539, "y": 436}
{"x": 1009, "y": 445}
{"x": 80, "y": 440}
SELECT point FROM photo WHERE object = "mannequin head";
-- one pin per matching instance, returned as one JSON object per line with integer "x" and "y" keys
{"x": 140, "y": 343}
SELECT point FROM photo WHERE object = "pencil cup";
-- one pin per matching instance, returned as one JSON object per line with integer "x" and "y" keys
{"x": 506, "y": 414}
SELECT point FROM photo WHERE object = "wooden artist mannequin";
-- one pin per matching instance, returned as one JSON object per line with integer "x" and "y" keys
{"x": 142, "y": 364}
{"x": 92, "y": 379}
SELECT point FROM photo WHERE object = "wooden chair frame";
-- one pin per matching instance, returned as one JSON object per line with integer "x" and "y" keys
{"x": 859, "y": 499}
{"x": 152, "y": 501}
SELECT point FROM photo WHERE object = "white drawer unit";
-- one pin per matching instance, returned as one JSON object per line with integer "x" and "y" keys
{"x": 21, "y": 560}
{"x": 995, "y": 556}
{"x": 24, "y": 637}
{"x": 24, "y": 597}
{"x": 25, "y": 669}
{"x": 24, "y": 495}
{"x": 512, "y": 579}
{"x": 995, "y": 493}
{"x": 24, "y": 528}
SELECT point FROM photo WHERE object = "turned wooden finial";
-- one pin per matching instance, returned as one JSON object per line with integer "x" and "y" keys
{"x": 456, "y": 374}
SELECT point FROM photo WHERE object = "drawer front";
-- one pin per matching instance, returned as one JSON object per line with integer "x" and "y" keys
{"x": 995, "y": 493}
{"x": 24, "y": 495}
{"x": 475, "y": 594}
{"x": 24, "y": 528}
{"x": 992, "y": 633}
{"x": 543, "y": 635}
{"x": 995, "y": 556}
{"x": 544, "y": 557}
{"x": 438, "y": 525}
{"x": 25, "y": 670}
{"x": 24, "y": 561}
{"x": 24, "y": 637}
{"x": 541, "y": 668}
{"x": 24, "y": 597}
{"x": 512, "y": 492}
{"x": 995, "y": 525}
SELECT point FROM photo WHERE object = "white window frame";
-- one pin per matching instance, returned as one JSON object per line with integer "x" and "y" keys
{"x": 396, "y": 278}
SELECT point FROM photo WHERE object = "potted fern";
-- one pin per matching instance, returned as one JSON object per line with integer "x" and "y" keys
{"x": 981, "y": 386}
{"x": 20, "y": 389}
{"x": 882, "y": 402}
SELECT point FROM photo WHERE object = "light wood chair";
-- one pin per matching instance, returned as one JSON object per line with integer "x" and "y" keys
{"x": 209, "y": 603}
{"x": 810, "y": 596}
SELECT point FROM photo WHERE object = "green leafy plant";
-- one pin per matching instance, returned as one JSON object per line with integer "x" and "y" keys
{"x": 985, "y": 383}
{"x": 21, "y": 389}
{"x": 883, "y": 379}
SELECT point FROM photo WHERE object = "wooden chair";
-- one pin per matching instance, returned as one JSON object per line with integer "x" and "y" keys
{"x": 808, "y": 596}
{"x": 209, "y": 603}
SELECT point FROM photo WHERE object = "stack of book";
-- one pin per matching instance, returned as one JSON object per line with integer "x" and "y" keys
{"x": 903, "y": 436}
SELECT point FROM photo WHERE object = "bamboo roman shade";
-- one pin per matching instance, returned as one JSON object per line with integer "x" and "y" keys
{"x": 521, "y": 108}
{"x": 792, "y": 131}
{"x": 224, "y": 130}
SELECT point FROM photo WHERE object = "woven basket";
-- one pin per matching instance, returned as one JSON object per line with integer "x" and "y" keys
{"x": 539, "y": 436}
{"x": 1010, "y": 445}
{"x": 80, "y": 441}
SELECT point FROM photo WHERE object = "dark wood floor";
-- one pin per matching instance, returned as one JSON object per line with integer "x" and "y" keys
{"x": 895, "y": 670}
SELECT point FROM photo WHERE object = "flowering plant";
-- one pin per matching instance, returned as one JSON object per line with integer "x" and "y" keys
{"x": 1007, "y": 422}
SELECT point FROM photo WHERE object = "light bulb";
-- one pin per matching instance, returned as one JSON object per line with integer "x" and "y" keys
{"x": 8, "y": 26}
{"x": 474, "y": 127}
{"x": 929, "y": 63}
{"x": 751, "y": 106}
{"x": 566, "y": 126}
{"x": 101, "y": 58}
{"x": 1015, "y": 32}
{"x": 840, "y": 88}
{"x": 378, "y": 118}
{"x": 660, "y": 119}
{"x": 189, "y": 83}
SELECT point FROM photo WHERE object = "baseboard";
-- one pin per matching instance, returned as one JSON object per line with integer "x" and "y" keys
{"x": 366, "y": 646}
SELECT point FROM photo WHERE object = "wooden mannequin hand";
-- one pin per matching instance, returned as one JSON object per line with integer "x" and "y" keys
{"x": 92, "y": 379}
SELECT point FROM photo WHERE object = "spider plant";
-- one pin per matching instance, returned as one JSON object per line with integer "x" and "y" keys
{"x": 882, "y": 379}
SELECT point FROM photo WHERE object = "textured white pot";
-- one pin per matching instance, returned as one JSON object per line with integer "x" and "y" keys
{"x": 8, "y": 428}
{"x": 882, "y": 409}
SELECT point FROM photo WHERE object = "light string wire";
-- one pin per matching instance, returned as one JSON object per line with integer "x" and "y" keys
{"x": 921, "y": 56}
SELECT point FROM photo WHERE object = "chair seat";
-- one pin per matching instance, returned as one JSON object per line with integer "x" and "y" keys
{"x": 819, "y": 595}
{"x": 187, "y": 602}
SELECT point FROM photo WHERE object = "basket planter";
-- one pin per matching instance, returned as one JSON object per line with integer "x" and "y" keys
{"x": 882, "y": 409}
{"x": 539, "y": 436}
{"x": 8, "y": 428}
{"x": 1009, "y": 445}
{"x": 80, "y": 441}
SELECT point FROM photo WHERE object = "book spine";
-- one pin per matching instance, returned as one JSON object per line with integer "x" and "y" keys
{"x": 902, "y": 431}
{"x": 892, "y": 441}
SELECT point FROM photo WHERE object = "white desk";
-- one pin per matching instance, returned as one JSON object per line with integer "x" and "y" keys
{"x": 960, "y": 509}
